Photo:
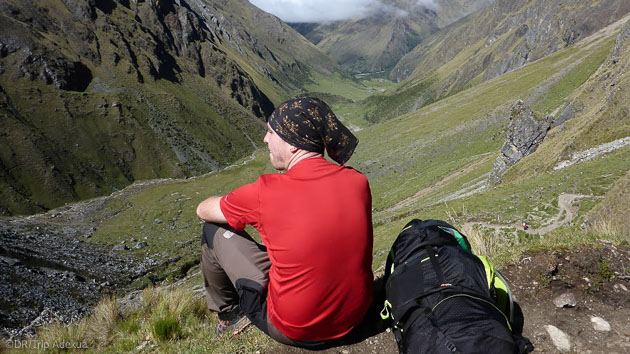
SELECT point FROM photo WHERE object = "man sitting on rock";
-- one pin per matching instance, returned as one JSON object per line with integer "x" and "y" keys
{"x": 311, "y": 281}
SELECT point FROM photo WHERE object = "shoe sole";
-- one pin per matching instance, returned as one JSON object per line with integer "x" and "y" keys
{"x": 241, "y": 326}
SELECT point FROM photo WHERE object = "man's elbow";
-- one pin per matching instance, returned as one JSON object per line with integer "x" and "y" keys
{"x": 209, "y": 210}
{"x": 200, "y": 211}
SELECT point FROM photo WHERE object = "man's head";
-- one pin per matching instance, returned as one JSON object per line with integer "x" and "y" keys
{"x": 308, "y": 124}
{"x": 280, "y": 151}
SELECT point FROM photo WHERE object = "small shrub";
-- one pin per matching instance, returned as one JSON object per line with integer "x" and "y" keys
{"x": 605, "y": 271}
{"x": 543, "y": 278}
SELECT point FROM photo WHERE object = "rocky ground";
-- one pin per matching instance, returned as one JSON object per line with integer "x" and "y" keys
{"x": 574, "y": 300}
{"x": 49, "y": 272}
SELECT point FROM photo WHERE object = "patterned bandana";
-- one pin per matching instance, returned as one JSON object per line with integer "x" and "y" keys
{"x": 308, "y": 123}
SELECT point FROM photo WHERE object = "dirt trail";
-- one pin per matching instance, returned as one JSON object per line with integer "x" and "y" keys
{"x": 566, "y": 213}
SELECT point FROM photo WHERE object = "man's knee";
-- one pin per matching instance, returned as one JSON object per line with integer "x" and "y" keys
{"x": 207, "y": 236}
{"x": 252, "y": 296}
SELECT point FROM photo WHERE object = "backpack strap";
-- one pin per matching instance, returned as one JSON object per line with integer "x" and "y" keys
{"x": 431, "y": 250}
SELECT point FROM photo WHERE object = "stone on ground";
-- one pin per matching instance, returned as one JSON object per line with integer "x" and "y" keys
{"x": 600, "y": 324}
{"x": 565, "y": 300}
{"x": 559, "y": 338}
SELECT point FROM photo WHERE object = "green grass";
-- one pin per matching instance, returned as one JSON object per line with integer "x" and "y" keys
{"x": 164, "y": 216}
{"x": 337, "y": 84}
{"x": 167, "y": 328}
{"x": 171, "y": 320}
{"x": 463, "y": 131}
{"x": 574, "y": 79}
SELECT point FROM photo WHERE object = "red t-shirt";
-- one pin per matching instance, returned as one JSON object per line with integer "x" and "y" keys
{"x": 316, "y": 221}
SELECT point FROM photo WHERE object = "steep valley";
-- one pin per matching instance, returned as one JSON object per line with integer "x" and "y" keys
{"x": 567, "y": 108}
{"x": 97, "y": 94}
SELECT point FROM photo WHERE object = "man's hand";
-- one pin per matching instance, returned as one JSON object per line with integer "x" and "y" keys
{"x": 210, "y": 210}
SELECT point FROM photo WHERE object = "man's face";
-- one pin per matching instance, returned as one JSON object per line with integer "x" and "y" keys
{"x": 279, "y": 150}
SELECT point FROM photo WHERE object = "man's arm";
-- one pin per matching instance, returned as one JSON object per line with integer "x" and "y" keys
{"x": 210, "y": 210}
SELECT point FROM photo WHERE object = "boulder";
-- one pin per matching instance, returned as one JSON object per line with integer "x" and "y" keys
{"x": 120, "y": 248}
{"x": 141, "y": 245}
{"x": 600, "y": 324}
{"x": 524, "y": 134}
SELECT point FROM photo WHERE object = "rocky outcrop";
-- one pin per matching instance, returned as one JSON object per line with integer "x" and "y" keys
{"x": 53, "y": 68}
{"x": 524, "y": 134}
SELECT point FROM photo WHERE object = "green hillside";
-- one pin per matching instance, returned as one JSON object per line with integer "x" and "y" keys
{"x": 431, "y": 163}
{"x": 489, "y": 43}
{"x": 97, "y": 95}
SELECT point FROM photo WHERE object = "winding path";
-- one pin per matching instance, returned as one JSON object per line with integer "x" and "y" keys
{"x": 565, "y": 215}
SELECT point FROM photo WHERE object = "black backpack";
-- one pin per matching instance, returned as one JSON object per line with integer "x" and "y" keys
{"x": 441, "y": 298}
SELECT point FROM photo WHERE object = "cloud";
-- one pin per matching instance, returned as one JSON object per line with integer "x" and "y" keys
{"x": 329, "y": 10}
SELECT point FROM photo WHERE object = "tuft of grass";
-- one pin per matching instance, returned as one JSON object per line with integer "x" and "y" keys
{"x": 105, "y": 318}
{"x": 166, "y": 328}
{"x": 482, "y": 244}
{"x": 96, "y": 331}
{"x": 165, "y": 319}
{"x": 604, "y": 227}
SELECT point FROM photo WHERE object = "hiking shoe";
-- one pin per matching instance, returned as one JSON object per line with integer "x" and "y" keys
{"x": 233, "y": 322}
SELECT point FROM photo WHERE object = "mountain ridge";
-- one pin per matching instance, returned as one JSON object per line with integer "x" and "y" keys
{"x": 504, "y": 36}
{"x": 97, "y": 94}
{"x": 375, "y": 44}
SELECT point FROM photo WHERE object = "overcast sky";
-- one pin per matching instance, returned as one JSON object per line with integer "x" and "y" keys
{"x": 324, "y": 10}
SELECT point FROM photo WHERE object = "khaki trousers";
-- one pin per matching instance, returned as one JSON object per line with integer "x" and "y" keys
{"x": 235, "y": 271}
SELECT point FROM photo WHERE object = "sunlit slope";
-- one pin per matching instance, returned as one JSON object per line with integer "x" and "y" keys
{"x": 416, "y": 150}
{"x": 453, "y": 143}
{"x": 429, "y": 164}
{"x": 500, "y": 38}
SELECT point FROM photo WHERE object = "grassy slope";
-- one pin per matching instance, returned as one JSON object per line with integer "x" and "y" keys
{"x": 485, "y": 45}
{"x": 403, "y": 156}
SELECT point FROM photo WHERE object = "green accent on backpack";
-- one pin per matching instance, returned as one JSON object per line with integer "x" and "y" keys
{"x": 501, "y": 288}
{"x": 460, "y": 239}
{"x": 385, "y": 311}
